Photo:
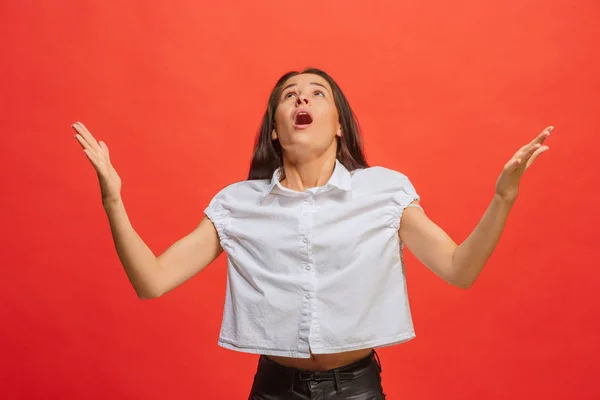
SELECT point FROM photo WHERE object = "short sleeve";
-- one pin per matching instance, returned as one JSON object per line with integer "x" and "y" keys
{"x": 404, "y": 193}
{"x": 219, "y": 216}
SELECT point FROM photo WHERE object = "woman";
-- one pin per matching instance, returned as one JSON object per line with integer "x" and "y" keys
{"x": 314, "y": 244}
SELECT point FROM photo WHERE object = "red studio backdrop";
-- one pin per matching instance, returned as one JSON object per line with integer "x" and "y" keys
{"x": 445, "y": 92}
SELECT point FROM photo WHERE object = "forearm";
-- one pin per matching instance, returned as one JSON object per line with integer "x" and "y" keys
{"x": 471, "y": 256}
{"x": 140, "y": 264}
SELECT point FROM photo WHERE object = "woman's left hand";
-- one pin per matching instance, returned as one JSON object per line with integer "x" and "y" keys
{"x": 507, "y": 185}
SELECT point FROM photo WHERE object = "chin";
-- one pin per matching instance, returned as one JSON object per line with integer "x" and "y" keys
{"x": 306, "y": 147}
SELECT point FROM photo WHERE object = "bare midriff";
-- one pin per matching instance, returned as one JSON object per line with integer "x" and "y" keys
{"x": 322, "y": 362}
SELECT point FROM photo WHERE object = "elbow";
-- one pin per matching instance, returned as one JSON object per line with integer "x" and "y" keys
{"x": 148, "y": 293}
{"x": 462, "y": 282}
{"x": 463, "y": 285}
{"x": 462, "y": 277}
{"x": 146, "y": 296}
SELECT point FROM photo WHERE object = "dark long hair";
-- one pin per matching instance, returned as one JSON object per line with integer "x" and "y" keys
{"x": 268, "y": 156}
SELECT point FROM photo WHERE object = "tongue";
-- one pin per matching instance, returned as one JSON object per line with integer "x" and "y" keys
{"x": 303, "y": 119}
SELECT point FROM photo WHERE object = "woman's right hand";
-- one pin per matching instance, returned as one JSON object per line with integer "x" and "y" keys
{"x": 98, "y": 154}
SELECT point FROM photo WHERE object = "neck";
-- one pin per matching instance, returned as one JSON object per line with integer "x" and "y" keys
{"x": 302, "y": 175}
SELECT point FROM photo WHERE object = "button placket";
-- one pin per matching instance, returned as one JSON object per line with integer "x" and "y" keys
{"x": 307, "y": 215}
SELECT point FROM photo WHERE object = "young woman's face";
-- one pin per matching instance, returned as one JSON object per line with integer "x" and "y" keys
{"x": 306, "y": 120}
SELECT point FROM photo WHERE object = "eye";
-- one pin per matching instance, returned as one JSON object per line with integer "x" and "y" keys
{"x": 318, "y": 92}
{"x": 287, "y": 95}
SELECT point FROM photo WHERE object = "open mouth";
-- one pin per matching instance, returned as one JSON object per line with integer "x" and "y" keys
{"x": 302, "y": 119}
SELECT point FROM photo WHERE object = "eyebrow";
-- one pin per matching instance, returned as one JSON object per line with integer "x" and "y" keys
{"x": 312, "y": 83}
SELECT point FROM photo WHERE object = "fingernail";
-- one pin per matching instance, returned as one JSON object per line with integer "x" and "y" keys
{"x": 550, "y": 129}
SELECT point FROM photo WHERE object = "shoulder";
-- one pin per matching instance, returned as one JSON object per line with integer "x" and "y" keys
{"x": 381, "y": 179}
{"x": 234, "y": 197}
{"x": 245, "y": 189}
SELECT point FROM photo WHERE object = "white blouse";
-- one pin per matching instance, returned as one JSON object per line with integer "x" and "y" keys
{"x": 319, "y": 270}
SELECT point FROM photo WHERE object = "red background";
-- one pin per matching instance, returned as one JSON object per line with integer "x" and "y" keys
{"x": 445, "y": 92}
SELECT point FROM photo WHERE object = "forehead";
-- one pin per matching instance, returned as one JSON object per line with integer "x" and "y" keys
{"x": 307, "y": 79}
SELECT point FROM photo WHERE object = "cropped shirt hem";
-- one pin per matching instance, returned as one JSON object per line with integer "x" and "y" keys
{"x": 401, "y": 338}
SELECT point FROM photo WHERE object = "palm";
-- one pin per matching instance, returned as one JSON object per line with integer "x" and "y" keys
{"x": 99, "y": 156}
{"x": 507, "y": 185}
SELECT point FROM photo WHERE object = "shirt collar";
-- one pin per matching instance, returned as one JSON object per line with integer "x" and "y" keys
{"x": 340, "y": 179}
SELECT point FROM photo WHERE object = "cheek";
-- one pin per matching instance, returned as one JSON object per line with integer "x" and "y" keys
{"x": 329, "y": 116}
{"x": 280, "y": 116}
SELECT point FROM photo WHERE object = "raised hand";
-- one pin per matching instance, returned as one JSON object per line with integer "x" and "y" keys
{"x": 507, "y": 185}
{"x": 98, "y": 154}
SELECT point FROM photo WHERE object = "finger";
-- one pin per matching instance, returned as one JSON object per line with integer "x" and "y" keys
{"x": 531, "y": 150}
{"x": 536, "y": 154}
{"x": 513, "y": 164}
{"x": 526, "y": 151}
{"x": 542, "y": 136}
{"x": 82, "y": 130}
{"x": 84, "y": 144}
{"x": 96, "y": 162}
{"x": 98, "y": 154}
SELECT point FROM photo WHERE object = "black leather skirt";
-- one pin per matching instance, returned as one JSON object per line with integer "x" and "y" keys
{"x": 360, "y": 380}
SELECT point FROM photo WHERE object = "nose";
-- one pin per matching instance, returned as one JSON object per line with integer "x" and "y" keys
{"x": 301, "y": 99}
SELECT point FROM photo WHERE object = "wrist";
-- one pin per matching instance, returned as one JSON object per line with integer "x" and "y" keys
{"x": 507, "y": 200}
{"x": 110, "y": 203}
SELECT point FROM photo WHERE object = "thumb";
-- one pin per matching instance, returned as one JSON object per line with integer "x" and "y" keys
{"x": 104, "y": 147}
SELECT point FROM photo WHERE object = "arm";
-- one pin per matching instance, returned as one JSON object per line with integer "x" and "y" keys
{"x": 149, "y": 275}
{"x": 460, "y": 265}
{"x": 152, "y": 276}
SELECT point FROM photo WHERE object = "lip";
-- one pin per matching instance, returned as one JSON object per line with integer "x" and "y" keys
{"x": 298, "y": 110}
